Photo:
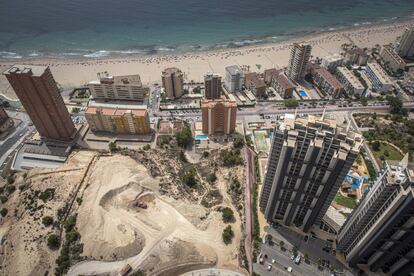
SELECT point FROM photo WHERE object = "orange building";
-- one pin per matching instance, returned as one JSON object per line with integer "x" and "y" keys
{"x": 218, "y": 116}
{"x": 118, "y": 121}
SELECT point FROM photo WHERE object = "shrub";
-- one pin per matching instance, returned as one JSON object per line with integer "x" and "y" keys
{"x": 228, "y": 235}
{"x": 3, "y": 212}
{"x": 238, "y": 142}
{"x": 146, "y": 147}
{"x": 211, "y": 178}
{"x": 112, "y": 147}
{"x": 228, "y": 215}
{"x": 231, "y": 157}
{"x": 47, "y": 221}
{"x": 47, "y": 194}
{"x": 189, "y": 178}
{"x": 184, "y": 137}
{"x": 53, "y": 242}
{"x": 206, "y": 154}
{"x": 376, "y": 145}
{"x": 182, "y": 157}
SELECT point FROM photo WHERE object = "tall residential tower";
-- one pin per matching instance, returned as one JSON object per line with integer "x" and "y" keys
{"x": 37, "y": 91}
{"x": 379, "y": 234}
{"x": 173, "y": 82}
{"x": 212, "y": 86}
{"x": 405, "y": 46}
{"x": 218, "y": 116}
{"x": 308, "y": 161}
{"x": 298, "y": 61}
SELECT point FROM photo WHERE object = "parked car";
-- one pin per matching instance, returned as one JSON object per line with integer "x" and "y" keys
{"x": 269, "y": 267}
{"x": 297, "y": 260}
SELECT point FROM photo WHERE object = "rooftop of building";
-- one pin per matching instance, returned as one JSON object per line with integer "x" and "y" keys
{"x": 116, "y": 104}
{"x": 350, "y": 77}
{"x": 171, "y": 71}
{"x": 322, "y": 124}
{"x": 334, "y": 82}
{"x": 104, "y": 78}
{"x": 357, "y": 51}
{"x": 333, "y": 58}
{"x": 115, "y": 111}
{"x": 379, "y": 72}
{"x": 34, "y": 70}
{"x": 284, "y": 81}
{"x": 391, "y": 51}
{"x": 253, "y": 79}
{"x": 210, "y": 75}
{"x": 234, "y": 69}
{"x": 212, "y": 103}
{"x": 399, "y": 171}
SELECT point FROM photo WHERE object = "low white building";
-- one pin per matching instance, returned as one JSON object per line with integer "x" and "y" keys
{"x": 330, "y": 63}
{"x": 234, "y": 79}
{"x": 378, "y": 77}
{"x": 350, "y": 82}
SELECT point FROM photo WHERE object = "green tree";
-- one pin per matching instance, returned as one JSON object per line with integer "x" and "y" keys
{"x": 228, "y": 215}
{"x": 146, "y": 147}
{"x": 376, "y": 145}
{"x": 281, "y": 243}
{"x": 112, "y": 147}
{"x": 228, "y": 235}
{"x": 53, "y": 242}
{"x": 3, "y": 212}
{"x": 47, "y": 221}
{"x": 291, "y": 103}
{"x": 184, "y": 137}
{"x": 295, "y": 250}
{"x": 396, "y": 106}
{"x": 238, "y": 142}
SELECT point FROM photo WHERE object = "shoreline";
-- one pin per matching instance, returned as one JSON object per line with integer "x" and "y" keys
{"x": 71, "y": 73}
{"x": 298, "y": 36}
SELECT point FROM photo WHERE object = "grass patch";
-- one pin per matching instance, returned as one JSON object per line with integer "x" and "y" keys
{"x": 345, "y": 201}
{"x": 385, "y": 152}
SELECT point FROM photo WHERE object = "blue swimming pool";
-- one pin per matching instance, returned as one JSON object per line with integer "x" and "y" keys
{"x": 201, "y": 136}
{"x": 303, "y": 93}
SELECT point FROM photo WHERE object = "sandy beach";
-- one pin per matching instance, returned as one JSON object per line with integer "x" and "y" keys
{"x": 70, "y": 72}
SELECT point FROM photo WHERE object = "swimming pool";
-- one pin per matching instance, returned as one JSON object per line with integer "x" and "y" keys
{"x": 201, "y": 136}
{"x": 303, "y": 93}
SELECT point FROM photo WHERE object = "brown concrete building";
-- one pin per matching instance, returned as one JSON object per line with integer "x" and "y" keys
{"x": 283, "y": 85}
{"x": 254, "y": 83}
{"x": 117, "y": 120}
{"x": 298, "y": 61}
{"x": 218, "y": 116}
{"x": 356, "y": 56}
{"x": 328, "y": 83}
{"x": 392, "y": 59}
{"x": 37, "y": 91}
{"x": 212, "y": 86}
{"x": 269, "y": 74}
{"x": 5, "y": 121}
{"x": 173, "y": 82}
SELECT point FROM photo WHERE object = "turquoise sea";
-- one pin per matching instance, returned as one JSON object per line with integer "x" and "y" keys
{"x": 100, "y": 28}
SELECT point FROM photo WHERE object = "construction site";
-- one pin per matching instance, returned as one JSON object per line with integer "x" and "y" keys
{"x": 132, "y": 210}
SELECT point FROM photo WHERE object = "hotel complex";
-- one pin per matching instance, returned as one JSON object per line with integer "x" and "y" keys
{"x": 378, "y": 77}
{"x": 350, "y": 82}
{"x": 173, "y": 82}
{"x": 37, "y": 91}
{"x": 379, "y": 234}
{"x": 298, "y": 61}
{"x": 118, "y": 88}
{"x": 218, "y": 116}
{"x": 308, "y": 161}
{"x": 118, "y": 120}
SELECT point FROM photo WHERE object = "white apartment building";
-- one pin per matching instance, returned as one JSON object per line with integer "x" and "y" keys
{"x": 378, "y": 77}
{"x": 350, "y": 82}
{"x": 118, "y": 87}
{"x": 234, "y": 79}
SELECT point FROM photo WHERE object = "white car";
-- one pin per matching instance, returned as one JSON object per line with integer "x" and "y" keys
{"x": 269, "y": 267}
{"x": 289, "y": 269}
{"x": 273, "y": 261}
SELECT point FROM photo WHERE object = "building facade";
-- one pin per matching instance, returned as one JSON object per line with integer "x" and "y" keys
{"x": 118, "y": 88}
{"x": 234, "y": 79}
{"x": 283, "y": 85}
{"x": 118, "y": 121}
{"x": 327, "y": 83}
{"x": 254, "y": 83}
{"x": 298, "y": 61}
{"x": 330, "y": 63}
{"x": 38, "y": 92}
{"x": 378, "y": 77}
{"x": 356, "y": 56}
{"x": 308, "y": 161}
{"x": 218, "y": 116}
{"x": 173, "y": 82}
{"x": 405, "y": 46}
{"x": 379, "y": 233}
{"x": 392, "y": 59}
{"x": 5, "y": 121}
{"x": 212, "y": 86}
{"x": 351, "y": 83}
